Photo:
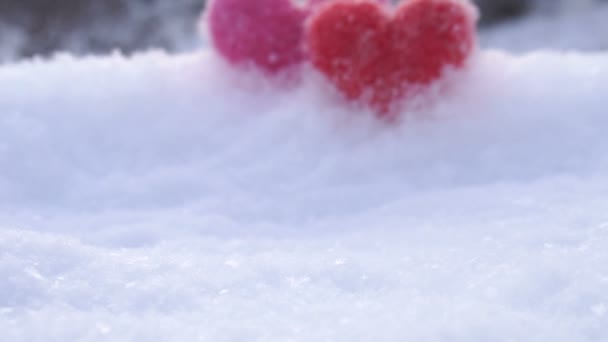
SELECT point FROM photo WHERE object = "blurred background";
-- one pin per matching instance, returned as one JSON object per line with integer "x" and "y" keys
{"x": 42, "y": 27}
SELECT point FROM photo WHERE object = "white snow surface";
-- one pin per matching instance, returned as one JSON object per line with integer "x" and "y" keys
{"x": 167, "y": 198}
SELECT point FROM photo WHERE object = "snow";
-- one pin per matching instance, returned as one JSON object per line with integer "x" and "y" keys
{"x": 166, "y": 198}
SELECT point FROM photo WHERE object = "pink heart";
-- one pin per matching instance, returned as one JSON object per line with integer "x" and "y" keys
{"x": 264, "y": 33}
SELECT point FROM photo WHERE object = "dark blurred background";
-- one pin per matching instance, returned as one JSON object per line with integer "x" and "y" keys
{"x": 36, "y": 27}
{"x": 42, "y": 27}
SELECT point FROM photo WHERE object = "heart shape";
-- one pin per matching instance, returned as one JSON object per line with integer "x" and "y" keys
{"x": 265, "y": 33}
{"x": 381, "y": 57}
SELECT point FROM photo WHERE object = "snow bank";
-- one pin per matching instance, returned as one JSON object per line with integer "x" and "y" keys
{"x": 167, "y": 198}
{"x": 162, "y": 131}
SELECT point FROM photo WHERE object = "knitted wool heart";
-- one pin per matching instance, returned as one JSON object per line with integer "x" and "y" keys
{"x": 264, "y": 33}
{"x": 381, "y": 58}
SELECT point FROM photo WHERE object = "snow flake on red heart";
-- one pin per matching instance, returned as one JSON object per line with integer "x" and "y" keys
{"x": 379, "y": 56}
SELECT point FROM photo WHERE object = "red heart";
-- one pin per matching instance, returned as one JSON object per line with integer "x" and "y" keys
{"x": 381, "y": 58}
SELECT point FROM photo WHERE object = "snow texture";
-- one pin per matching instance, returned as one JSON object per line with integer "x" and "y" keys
{"x": 166, "y": 198}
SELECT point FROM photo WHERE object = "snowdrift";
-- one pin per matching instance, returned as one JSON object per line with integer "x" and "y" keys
{"x": 161, "y": 131}
{"x": 169, "y": 198}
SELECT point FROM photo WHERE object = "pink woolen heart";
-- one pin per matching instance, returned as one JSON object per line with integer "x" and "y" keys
{"x": 381, "y": 57}
{"x": 263, "y": 33}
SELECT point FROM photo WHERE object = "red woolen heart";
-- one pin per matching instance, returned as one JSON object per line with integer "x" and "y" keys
{"x": 381, "y": 58}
